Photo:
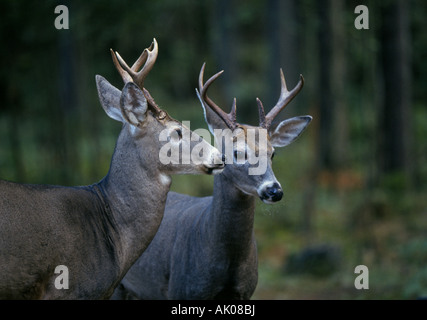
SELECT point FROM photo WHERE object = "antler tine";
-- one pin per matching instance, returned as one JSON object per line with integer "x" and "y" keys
{"x": 146, "y": 60}
{"x": 232, "y": 114}
{"x": 229, "y": 118}
{"x": 261, "y": 113}
{"x": 125, "y": 76}
{"x": 284, "y": 99}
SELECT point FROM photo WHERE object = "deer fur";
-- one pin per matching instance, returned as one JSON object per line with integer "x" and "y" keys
{"x": 96, "y": 231}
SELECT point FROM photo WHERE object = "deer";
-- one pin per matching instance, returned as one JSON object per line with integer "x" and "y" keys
{"x": 205, "y": 247}
{"x": 97, "y": 231}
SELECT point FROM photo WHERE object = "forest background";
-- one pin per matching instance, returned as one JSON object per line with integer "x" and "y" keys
{"x": 354, "y": 183}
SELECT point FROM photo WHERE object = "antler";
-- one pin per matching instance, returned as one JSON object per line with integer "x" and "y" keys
{"x": 146, "y": 60}
{"x": 229, "y": 118}
{"x": 284, "y": 99}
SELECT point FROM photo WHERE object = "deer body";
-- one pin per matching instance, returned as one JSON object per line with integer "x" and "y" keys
{"x": 96, "y": 231}
{"x": 212, "y": 255}
{"x": 84, "y": 228}
{"x": 205, "y": 247}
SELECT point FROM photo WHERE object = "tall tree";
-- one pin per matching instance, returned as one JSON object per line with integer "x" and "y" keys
{"x": 326, "y": 102}
{"x": 223, "y": 39}
{"x": 339, "y": 83}
{"x": 394, "y": 121}
{"x": 283, "y": 46}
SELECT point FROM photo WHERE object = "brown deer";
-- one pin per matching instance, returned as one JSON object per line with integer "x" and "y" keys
{"x": 205, "y": 247}
{"x": 97, "y": 231}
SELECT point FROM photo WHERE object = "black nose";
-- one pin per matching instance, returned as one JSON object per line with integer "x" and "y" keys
{"x": 275, "y": 193}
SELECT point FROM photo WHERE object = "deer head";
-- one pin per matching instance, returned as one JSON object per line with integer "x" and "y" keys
{"x": 146, "y": 126}
{"x": 239, "y": 143}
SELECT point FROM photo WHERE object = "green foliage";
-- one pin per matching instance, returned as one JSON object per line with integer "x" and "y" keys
{"x": 414, "y": 254}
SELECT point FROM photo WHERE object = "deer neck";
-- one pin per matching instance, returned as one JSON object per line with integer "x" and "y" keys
{"x": 233, "y": 214}
{"x": 133, "y": 191}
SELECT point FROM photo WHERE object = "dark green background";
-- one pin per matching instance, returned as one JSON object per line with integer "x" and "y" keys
{"x": 355, "y": 182}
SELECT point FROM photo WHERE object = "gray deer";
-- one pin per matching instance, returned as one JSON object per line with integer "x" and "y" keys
{"x": 205, "y": 247}
{"x": 98, "y": 231}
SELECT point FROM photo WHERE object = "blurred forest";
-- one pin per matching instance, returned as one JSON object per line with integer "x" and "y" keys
{"x": 355, "y": 182}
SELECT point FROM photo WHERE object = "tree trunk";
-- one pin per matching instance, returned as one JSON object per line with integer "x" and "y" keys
{"x": 326, "y": 103}
{"x": 65, "y": 137}
{"x": 339, "y": 83}
{"x": 223, "y": 41}
{"x": 283, "y": 50}
{"x": 394, "y": 122}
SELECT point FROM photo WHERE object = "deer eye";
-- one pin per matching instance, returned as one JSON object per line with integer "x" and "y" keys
{"x": 240, "y": 155}
{"x": 179, "y": 133}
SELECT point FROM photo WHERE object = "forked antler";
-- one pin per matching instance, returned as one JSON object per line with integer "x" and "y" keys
{"x": 264, "y": 120}
{"x": 284, "y": 99}
{"x": 146, "y": 60}
{"x": 229, "y": 118}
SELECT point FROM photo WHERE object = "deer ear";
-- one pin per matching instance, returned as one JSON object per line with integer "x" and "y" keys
{"x": 133, "y": 104}
{"x": 109, "y": 96}
{"x": 288, "y": 130}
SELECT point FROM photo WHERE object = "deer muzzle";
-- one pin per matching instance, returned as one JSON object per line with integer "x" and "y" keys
{"x": 217, "y": 163}
{"x": 271, "y": 193}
